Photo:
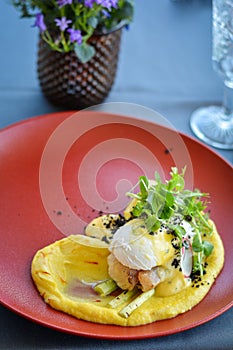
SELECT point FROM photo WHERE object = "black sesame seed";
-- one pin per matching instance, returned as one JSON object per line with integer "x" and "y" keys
{"x": 167, "y": 150}
{"x": 104, "y": 239}
{"x": 175, "y": 263}
{"x": 170, "y": 231}
{"x": 188, "y": 218}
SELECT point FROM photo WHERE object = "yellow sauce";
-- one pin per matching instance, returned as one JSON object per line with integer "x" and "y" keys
{"x": 64, "y": 270}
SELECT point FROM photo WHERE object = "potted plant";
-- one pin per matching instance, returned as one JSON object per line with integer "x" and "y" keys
{"x": 78, "y": 47}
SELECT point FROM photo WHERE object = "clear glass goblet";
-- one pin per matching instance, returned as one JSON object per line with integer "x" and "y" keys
{"x": 214, "y": 124}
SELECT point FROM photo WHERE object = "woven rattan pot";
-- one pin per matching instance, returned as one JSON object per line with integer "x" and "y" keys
{"x": 68, "y": 83}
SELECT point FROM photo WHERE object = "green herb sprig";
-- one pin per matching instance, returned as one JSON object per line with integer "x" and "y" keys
{"x": 162, "y": 202}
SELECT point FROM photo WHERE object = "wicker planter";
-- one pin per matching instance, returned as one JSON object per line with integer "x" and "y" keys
{"x": 68, "y": 83}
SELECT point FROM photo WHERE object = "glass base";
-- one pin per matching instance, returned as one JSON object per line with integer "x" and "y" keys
{"x": 212, "y": 126}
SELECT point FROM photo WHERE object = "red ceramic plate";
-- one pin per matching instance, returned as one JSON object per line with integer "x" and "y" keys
{"x": 58, "y": 170}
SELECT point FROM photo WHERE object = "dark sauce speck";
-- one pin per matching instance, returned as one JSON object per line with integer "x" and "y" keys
{"x": 188, "y": 218}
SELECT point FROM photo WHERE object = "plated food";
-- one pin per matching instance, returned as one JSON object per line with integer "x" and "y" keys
{"x": 156, "y": 260}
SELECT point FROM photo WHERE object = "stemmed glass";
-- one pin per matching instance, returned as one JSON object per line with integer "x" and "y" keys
{"x": 214, "y": 124}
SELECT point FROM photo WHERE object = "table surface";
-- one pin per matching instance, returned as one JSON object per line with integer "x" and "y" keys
{"x": 165, "y": 65}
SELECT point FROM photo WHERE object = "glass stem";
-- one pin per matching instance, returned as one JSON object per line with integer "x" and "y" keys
{"x": 228, "y": 102}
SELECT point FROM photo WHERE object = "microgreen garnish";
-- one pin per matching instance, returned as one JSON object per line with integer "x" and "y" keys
{"x": 170, "y": 203}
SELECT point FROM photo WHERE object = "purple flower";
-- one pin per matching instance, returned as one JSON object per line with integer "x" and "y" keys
{"x": 62, "y": 23}
{"x": 39, "y": 22}
{"x": 107, "y": 3}
{"x": 114, "y": 3}
{"x": 89, "y": 3}
{"x": 105, "y": 13}
{"x": 62, "y": 3}
{"x": 75, "y": 36}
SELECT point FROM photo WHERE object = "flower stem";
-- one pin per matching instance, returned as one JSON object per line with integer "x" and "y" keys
{"x": 64, "y": 43}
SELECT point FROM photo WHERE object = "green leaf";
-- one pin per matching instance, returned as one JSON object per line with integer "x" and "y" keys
{"x": 158, "y": 178}
{"x": 169, "y": 199}
{"x": 137, "y": 209}
{"x": 179, "y": 231}
{"x": 156, "y": 226}
{"x": 127, "y": 11}
{"x": 93, "y": 22}
{"x": 208, "y": 248}
{"x": 152, "y": 223}
{"x": 197, "y": 243}
{"x": 197, "y": 264}
{"x": 143, "y": 183}
{"x": 156, "y": 200}
{"x": 167, "y": 212}
{"x": 177, "y": 180}
{"x": 84, "y": 52}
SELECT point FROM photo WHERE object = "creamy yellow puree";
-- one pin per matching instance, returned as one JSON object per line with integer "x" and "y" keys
{"x": 66, "y": 271}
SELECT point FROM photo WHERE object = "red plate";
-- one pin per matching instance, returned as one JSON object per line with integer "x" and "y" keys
{"x": 57, "y": 171}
